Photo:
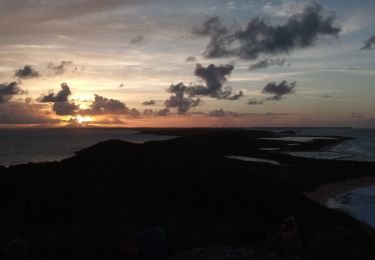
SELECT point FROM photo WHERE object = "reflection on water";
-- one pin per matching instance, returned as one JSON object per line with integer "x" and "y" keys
{"x": 41, "y": 145}
{"x": 297, "y": 138}
{"x": 319, "y": 155}
{"x": 253, "y": 159}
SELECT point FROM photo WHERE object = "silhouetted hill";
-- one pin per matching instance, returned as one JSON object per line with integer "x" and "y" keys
{"x": 87, "y": 205}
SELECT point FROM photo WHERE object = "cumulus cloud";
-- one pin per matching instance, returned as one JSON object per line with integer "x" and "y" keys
{"x": 65, "y": 108}
{"x": 149, "y": 102}
{"x": 61, "y": 96}
{"x": 369, "y": 44}
{"x": 26, "y": 72}
{"x": 179, "y": 101}
{"x": 102, "y": 105}
{"x": 214, "y": 77}
{"x": 133, "y": 113}
{"x": 267, "y": 62}
{"x": 8, "y": 90}
{"x": 151, "y": 112}
{"x": 277, "y": 90}
{"x": 221, "y": 113}
{"x": 108, "y": 106}
{"x": 259, "y": 37}
{"x": 61, "y": 104}
{"x": 162, "y": 112}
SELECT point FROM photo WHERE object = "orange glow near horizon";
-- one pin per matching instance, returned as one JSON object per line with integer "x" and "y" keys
{"x": 84, "y": 119}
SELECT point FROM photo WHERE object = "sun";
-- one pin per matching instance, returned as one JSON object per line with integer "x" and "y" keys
{"x": 83, "y": 119}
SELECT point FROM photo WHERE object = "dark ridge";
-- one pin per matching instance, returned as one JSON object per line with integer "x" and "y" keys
{"x": 84, "y": 207}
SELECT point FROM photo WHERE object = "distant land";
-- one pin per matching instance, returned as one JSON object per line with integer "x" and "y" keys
{"x": 86, "y": 206}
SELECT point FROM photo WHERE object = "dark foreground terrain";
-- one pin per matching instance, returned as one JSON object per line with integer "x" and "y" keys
{"x": 86, "y": 206}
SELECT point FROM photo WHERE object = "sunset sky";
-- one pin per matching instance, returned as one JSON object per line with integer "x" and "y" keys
{"x": 187, "y": 63}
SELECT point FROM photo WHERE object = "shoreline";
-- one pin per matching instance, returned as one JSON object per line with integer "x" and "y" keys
{"x": 330, "y": 190}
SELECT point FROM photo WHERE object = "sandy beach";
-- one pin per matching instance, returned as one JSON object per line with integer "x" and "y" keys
{"x": 330, "y": 190}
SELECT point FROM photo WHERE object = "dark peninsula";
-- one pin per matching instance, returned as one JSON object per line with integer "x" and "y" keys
{"x": 86, "y": 206}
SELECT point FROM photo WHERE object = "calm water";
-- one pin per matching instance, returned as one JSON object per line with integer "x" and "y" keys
{"x": 40, "y": 145}
{"x": 362, "y": 148}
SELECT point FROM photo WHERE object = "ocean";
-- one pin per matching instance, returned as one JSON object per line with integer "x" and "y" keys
{"x": 361, "y": 148}
{"x": 19, "y": 146}
{"x": 40, "y": 145}
{"x": 360, "y": 202}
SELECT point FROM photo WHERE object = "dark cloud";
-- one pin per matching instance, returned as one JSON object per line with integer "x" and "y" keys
{"x": 191, "y": 59}
{"x": 26, "y": 72}
{"x": 137, "y": 39}
{"x": 148, "y": 112}
{"x": 151, "y": 112}
{"x": 219, "y": 38}
{"x": 236, "y": 96}
{"x": 279, "y": 90}
{"x": 162, "y": 112}
{"x": 214, "y": 78}
{"x": 179, "y": 101}
{"x": 259, "y": 37}
{"x": 267, "y": 62}
{"x": 61, "y": 104}
{"x": 59, "y": 69}
{"x": 254, "y": 102}
{"x": 8, "y": 90}
{"x": 61, "y": 96}
{"x": 102, "y": 105}
{"x": 24, "y": 113}
{"x": 133, "y": 113}
{"x": 108, "y": 106}
{"x": 65, "y": 108}
{"x": 149, "y": 102}
{"x": 221, "y": 113}
{"x": 369, "y": 44}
